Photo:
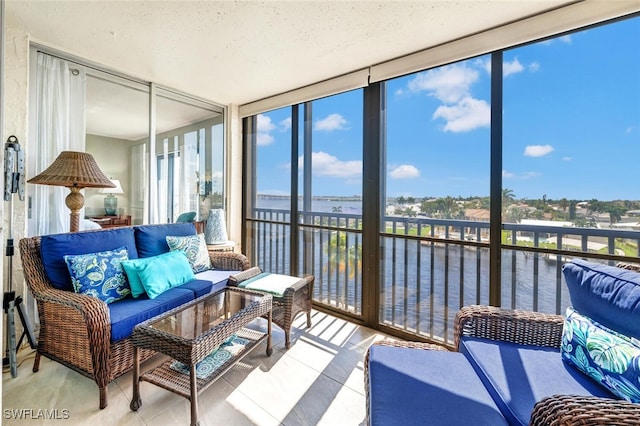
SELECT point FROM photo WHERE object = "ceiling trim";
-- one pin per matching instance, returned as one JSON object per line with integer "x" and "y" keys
{"x": 551, "y": 23}
{"x": 343, "y": 83}
{"x": 557, "y": 21}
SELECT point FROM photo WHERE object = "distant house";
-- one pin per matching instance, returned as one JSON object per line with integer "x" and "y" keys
{"x": 478, "y": 215}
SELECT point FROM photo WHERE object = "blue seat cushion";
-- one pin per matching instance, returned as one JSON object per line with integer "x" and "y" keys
{"x": 198, "y": 287}
{"x": 606, "y": 294}
{"x": 53, "y": 248}
{"x": 151, "y": 240}
{"x": 517, "y": 376}
{"x": 416, "y": 387}
{"x": 218, "y": 277}
{"x": 125, "y": 314}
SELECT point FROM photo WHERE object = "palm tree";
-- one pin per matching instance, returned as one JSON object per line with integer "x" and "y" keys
{"x": 508, "y": 196}
{"x": 342, "y": 257}
{"x": 563, "y": 204}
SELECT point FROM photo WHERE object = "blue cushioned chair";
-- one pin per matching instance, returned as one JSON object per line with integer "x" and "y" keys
{"x": 186, "y": 217}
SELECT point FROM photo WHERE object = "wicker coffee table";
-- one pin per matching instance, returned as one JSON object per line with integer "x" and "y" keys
{"x": 188, "y": 333}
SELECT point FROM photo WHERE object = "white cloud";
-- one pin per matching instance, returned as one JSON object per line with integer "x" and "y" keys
{"x": 522, "y": 176}
{"x": 534, "y": 66}
{"x": 537, "y": 150}
{"x": 285, "y": 124}
{"x": 449, "y": 84}
{"x": 263, "y": 139}
{"x": 404, "y": 171}
{"x": 324, "y": 164}
{"x": 512, "y": 67}
{"x": 567, "y": 158}
{"x": 331, "y": 122}
{"x": 466, "y": 115}
{"x": 265, "y": 127}
{"x": 565, "y": 39}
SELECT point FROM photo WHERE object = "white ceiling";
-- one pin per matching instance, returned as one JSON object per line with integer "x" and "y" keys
{"x": 234, "y": 52}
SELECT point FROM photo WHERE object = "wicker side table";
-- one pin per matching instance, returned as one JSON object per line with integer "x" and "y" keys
{"x": 291, "y": 295}
{"x": 192, "y": 331}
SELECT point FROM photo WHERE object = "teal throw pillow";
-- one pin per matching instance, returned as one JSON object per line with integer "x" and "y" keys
{"x": 164, "y": 272}
{"x": 131, "y": 268}
{"x": 609, "y": 358}
{"x": 195, "y": 247}
{"x": 99, "y": 274}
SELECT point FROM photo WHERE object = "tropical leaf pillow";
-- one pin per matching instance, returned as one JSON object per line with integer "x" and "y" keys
{"x": 100, "y": 274}
{"x": 610, "y": 358}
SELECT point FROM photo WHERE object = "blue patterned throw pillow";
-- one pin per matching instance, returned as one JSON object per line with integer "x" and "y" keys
{"x": 609, "y": 358}
{"x": 195, "y": 247}
{"x": 99, "y": 274}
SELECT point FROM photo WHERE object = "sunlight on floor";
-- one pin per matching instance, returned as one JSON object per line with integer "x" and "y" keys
{"x": 319, "y": 380}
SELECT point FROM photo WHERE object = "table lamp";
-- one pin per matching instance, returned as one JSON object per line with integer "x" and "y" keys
{"x": 74, "y": 170}
{"x": 111, "y": 201}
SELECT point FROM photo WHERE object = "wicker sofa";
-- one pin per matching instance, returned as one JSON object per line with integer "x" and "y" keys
{"x": 78, "y": 330}
{"x": 508, "y": 367}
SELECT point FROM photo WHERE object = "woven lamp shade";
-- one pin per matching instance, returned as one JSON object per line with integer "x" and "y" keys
{"x": 75, "y": 170}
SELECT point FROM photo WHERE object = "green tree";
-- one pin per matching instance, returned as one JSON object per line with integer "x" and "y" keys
{"x": 508, "y": 197}
{"x": 615, "y": 214}
{"x": 572, "y": 209}
{"x": 563, "y": 204}
{"x": 342, "y": 257}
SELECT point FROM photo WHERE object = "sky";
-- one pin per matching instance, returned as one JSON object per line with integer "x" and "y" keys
{"x": 571, "y": 126}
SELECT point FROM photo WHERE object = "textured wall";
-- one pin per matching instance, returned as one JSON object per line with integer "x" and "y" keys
{"x": 16, "y": 110}
{"x": 16, "y": 95}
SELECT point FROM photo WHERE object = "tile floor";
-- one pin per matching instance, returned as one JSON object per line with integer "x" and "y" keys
{"x": 319, "y": 381}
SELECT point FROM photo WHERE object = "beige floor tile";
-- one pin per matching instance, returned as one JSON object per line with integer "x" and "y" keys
{"x": 317, "y": 381}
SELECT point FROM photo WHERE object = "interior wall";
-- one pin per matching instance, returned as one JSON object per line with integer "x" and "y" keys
{"x": 15, "y": 122}
{"x": 113, "y": 157}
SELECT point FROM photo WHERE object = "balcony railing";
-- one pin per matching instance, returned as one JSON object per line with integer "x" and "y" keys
{"x": 432, "y": 267}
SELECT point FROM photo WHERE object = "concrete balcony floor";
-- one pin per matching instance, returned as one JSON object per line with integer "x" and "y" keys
{"x": 319, "y": 380}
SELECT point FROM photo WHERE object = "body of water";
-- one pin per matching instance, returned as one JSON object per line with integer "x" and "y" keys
{"x": 424, "y": 283}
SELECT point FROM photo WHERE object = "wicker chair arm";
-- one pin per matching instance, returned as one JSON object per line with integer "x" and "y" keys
{"x": 523, "y": 327}
{"x": 307, "y": 279}
{"x": 584, "y": 410}
{"x": 229, "y": 261}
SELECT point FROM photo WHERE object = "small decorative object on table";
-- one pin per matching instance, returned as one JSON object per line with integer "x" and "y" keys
{"x": 291, "y": 295}
{"x": 215, "y": 231}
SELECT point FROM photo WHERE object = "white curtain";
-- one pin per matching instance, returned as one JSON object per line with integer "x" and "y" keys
{"x": 60, "y": 88}
{"x": 188, "y": 201}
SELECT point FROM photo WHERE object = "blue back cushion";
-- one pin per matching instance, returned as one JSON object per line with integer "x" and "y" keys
{"x": 53, "y": 248}
{"x": 606, "y": 294}
{"x": 152, "y": 239}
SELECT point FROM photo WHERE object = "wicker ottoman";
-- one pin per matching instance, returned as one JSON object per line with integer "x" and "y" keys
{"x": 291, "y": 295}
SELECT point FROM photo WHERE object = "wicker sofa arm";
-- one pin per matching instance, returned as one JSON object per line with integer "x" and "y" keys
{"x": 584, "y": 410}
{"x": 523, "y": 327}
{"x": 229, "y": 261}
